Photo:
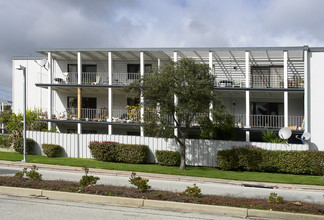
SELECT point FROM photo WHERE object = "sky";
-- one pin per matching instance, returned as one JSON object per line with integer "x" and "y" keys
{"x": 29, "y": 25}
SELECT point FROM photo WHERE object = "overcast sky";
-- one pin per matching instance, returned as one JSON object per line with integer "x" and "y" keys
{"x": 26, "y": 25}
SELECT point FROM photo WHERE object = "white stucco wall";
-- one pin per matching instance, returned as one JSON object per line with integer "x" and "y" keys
{"x": 36, "y": 96}
{"x": 316, "y": 67}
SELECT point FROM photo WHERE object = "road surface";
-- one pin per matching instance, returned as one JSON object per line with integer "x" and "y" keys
{"x": 21, "y": 208}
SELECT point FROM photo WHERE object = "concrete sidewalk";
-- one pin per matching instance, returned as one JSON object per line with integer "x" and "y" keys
{"x": 189, "y": 179}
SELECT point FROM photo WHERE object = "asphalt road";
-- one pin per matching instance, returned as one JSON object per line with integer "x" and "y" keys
{"x": 12, "y": 207}
{"x": 224, "y": 189}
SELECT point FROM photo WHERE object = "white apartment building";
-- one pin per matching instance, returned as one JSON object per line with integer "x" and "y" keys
{"x": 82, "y": 90}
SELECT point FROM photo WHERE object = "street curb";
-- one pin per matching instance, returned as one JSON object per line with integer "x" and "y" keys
{"x": 196, "y": 208}
{"x": 154, "y": 204}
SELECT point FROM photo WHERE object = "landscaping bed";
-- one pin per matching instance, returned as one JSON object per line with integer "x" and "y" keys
{"x": 121, "y": 191}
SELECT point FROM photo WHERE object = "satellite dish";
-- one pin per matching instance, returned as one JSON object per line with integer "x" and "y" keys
{"x": 284, "y": 133}
{"x": 306, "y": 136}
{"x": 42, "y": 63}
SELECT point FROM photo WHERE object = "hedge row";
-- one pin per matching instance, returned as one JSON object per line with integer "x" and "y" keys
{"x": 116, "y": 152}
{"x": 167, "y": 158}
{"x": 255, "y": 159}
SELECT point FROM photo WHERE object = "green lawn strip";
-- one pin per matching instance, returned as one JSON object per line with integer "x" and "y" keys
{"x": 154, "y": 168}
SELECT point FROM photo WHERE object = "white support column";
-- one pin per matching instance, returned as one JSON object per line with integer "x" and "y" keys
{"x": 79, "y": 91}
{"x": 142, "y": 97}
{"x": 175, "y": 59}
{"x": 210, "y": 62}
{"x": 110, "y": 95}
{"x": 79, "y": 68}
{"x": 285, "y": 86}
{"x": 159, "y": 63}
{"x": 306, "y": 92}
{"x": 50, "y": 101}
{"x": 247, "y": 95}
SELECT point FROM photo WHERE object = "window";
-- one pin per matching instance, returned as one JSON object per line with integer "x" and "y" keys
{"x": 266, "y": 76}
{"x": 72, "y": 102}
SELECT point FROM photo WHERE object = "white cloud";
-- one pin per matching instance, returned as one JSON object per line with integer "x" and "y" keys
{"x": 28, "y": 25}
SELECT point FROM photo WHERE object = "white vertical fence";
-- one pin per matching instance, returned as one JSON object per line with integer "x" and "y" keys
{"x": 198, "y": 153}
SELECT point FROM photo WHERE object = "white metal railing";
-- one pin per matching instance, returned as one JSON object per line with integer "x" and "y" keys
{"x": 126, "y": 116}
{"x": 125, "y": 78}
{"x": 268, "y": 121}
{"x": 230, "y": 81}
{"x": 89, "y": 78}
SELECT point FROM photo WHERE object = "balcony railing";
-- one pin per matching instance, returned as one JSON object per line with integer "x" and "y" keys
{"x": 95, "y": 78}
{"x": 259, "y": 81}
{"x": 134, "y": 116}
{"x": 270, "y": 121}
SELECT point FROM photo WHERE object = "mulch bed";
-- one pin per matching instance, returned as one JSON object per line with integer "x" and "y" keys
{"x": 121, "y": 191}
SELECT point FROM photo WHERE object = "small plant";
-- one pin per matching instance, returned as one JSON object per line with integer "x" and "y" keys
{"x": 88, "y": 180}
{"x": 194, "y": 191}
{"x": 274, "y": 198}
{"x": 271, "y": 137}
{"x": 139, "y": 182}
{"x": 32, "y": 175}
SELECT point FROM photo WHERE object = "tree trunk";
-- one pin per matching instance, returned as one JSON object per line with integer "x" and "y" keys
{"x": 183, "y": 154}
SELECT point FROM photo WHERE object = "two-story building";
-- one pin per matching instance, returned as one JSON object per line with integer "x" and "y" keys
{"x": 82, "y": 90}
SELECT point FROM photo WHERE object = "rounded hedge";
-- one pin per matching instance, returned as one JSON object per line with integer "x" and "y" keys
{"x": 51, "y": 150}
{"x": 167, "y": 158}
{"x": 18, "y": 145}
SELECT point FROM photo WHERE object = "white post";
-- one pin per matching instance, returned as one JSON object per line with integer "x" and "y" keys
{"x": 306, "y": 92}
{"x": 159, "y": 63}
{"x": 50, "y": 77}
{"x": 175, "y": 59}
{"x": 24, "y": 135}
{"x": 79, "y": 89}
{"x": 2, "y": 124}
{"x": 285, "y": 86}
{"x": 20, "y": 67}
{"x": 247, "y": 95}
{"x": 142, "y": 97}
{"x": 211, "y": 72}
{"x": 110, "y": 95}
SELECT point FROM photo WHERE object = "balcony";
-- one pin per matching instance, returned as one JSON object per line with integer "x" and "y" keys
{"x": 259, "y": 81}
{"x": 94, "y": 78}
{"x": 270, "y": 121}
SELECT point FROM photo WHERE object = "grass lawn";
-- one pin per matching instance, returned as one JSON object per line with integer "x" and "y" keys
{"x": 154, "y": 168}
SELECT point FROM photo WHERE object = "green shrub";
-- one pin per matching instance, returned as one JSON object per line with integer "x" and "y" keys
{"x": 104, "y": 151}
{"x": 240, "y": 158}
{"x": 4, "y": 141}
{"x": 167, "y": 158}
{"x": 141, "y": 184}
{"x": 132, "y": 153}
{"x": 274, "y": 198}
{"x": 18, "y": 145}
{"x": 88, "y": 180}
{"x": 254, "y": 159}
{"x": 194, "y": 191}
{"x": 115, "y": 152}
{"x": 51, "y": 150}
{"x": 32, "y": 175}
{"x": 271, "y": 137}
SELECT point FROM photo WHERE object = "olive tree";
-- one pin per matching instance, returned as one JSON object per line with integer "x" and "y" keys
{"x": 175, "y": 95}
